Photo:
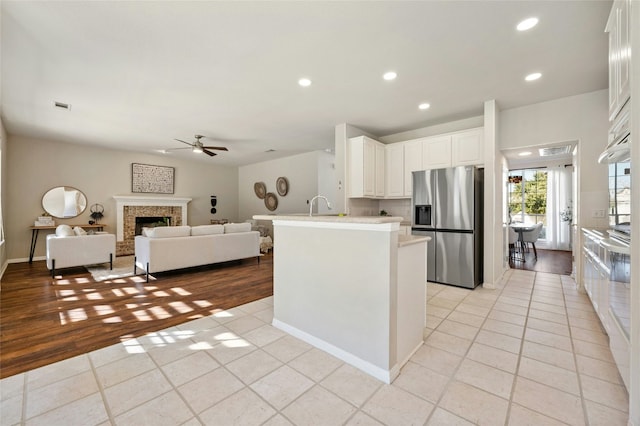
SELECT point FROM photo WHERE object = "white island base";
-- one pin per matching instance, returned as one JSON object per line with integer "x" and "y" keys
{"x": 350, "y": 287}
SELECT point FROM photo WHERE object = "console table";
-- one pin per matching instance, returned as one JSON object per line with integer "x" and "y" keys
{"x": 36, "y": 229}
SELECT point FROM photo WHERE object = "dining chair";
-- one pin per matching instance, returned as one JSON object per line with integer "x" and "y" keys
{"x": 532, "y": 236}
{"x": 514, "y": 252}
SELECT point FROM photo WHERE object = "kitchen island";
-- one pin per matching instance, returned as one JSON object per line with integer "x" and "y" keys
{"x": 352, "y": 287}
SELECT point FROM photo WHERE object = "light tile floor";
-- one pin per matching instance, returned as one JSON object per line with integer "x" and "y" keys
{"x": 529, "y": 353}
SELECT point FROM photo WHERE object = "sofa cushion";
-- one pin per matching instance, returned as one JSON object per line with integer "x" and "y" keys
{"x": 79, "y": 231}
{"x": 207, "y": 229}
{"x": 169, "y": 231}
{"x": 64, "y": 231}
{"x": 231, "y": 228}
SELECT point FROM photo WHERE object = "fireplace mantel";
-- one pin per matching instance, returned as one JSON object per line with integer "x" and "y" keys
{"x": 145, "y": 200}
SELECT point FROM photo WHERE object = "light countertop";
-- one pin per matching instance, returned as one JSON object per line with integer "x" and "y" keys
{"x": 332, "y": 218}
{"x": 407, "y": 240}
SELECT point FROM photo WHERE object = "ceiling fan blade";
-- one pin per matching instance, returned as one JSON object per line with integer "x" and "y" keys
{"x": 209, "y": 153}
{"x": 175, "y": 149}
{"x": 190, "y": 144}
{"x": 220, "y": 148}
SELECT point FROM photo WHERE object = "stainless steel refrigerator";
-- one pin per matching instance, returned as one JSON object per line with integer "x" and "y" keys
{"x": 448, "y": 207}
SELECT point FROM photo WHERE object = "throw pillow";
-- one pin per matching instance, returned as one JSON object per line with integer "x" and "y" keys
{"x": 79, "y": 231}
{"x": 64, "y": 231}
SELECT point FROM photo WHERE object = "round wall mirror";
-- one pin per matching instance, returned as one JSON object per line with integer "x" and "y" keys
{"x": 64, "y": 202}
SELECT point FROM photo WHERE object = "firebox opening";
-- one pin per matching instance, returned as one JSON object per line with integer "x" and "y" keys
{"x": 151, "y": 222}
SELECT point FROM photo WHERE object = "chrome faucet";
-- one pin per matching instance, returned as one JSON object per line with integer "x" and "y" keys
{"x": 315, "y": 198}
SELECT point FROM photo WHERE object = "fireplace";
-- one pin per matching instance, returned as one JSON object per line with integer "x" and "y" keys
{"x": 151, "y": 222}
{"x": 132, "y": 211}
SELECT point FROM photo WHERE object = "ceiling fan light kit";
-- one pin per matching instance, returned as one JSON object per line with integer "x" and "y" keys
{"x": 197, "y": 147}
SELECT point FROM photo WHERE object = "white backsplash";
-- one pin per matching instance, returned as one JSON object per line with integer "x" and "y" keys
{"x": 370, "y": 207}
{"x": 397, "y": 208}
{"x": 363, "y": 207}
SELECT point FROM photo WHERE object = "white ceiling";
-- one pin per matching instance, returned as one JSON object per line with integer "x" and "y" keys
{"x": 140, "y": 74}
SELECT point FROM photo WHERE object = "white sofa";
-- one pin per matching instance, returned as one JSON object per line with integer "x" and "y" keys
{"x": 68, "y": 248}
{"x": 176, "y": 247}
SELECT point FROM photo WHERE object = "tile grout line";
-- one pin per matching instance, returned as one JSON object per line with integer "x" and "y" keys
{"x": 23, "y": 415}
{"x": 585, "y": 412}
{"x": 522, "y": 340}
{"x": 463, "y": 357}
{"x": 101, "y": 389}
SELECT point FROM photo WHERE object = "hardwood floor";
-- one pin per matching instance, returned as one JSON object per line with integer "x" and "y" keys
{"x": 553, "y": 261}
{"x": 45, "y": 320}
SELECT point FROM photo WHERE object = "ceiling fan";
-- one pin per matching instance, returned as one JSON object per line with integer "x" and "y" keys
{"x": 197, "y": 146}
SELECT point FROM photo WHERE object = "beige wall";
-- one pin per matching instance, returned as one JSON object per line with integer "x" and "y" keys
{"x": 583, "y": 118}
{"x": 303, "y": 171}
{"x": 34, "y": 166}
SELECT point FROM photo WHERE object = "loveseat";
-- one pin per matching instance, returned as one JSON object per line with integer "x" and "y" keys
{"x": 175, "y": 247}
{"x": 70, "y": 247}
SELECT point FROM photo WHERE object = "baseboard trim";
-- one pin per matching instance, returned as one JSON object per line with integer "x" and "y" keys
{"x": 386, "y": 376}
{"x": 26, "y": 259}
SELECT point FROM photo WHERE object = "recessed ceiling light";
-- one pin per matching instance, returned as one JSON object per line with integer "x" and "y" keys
{"x": 524, "y": 153}
{"x": 391, "y": 75}
{"x": 304, "y": 82}
{"x": 424, "y": 106}
{"x": 527, "y": 24}
{"x": 533, "y": 76}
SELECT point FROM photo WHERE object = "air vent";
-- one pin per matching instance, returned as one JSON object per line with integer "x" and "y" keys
{"x": 556, "y": 150}
{"x": 62, "y": 105}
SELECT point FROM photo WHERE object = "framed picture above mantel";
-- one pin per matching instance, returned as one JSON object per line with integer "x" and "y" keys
{"x": 146, "y": 178}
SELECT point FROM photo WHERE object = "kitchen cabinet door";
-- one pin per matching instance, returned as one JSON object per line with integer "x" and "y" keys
{"x": 468, "y": 148}
{"x": 379, "y": 170}
{"x": 619, "y": 56}
{"x": 394, "y": 170}
{"x": 412, "y": 163}
{"x": 362, "y": 168}
{"x": 436, "y": 152}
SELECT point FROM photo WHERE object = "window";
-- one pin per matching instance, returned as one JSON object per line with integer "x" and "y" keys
{"x": 528, "y": 196}
{"x": 619, "y": 193}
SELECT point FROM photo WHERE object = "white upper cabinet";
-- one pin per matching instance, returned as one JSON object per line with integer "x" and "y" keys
{"x": 467, "y": 148}
{"x": 394, "y": 170}
{"x": 377, "y": 170}
{"x": 365, "y": 157}
{"x": 412, "y": 163}
{"x": 619, "y": 56}
{"x": 436, "y": 152}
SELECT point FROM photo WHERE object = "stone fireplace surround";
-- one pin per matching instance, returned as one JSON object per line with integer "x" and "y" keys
{"x": 128, "y": 207}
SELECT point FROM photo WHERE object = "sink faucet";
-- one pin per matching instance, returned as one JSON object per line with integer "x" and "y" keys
{"x": 315, "y": 198}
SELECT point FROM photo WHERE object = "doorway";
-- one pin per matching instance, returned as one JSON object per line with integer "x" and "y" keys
{"x": 541, "y": 187}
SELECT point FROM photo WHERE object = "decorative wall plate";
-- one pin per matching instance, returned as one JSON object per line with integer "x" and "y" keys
{"x": 260, "y": 189}
{"x": 271, "y": 201}
{"x": 282, "y": 185}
